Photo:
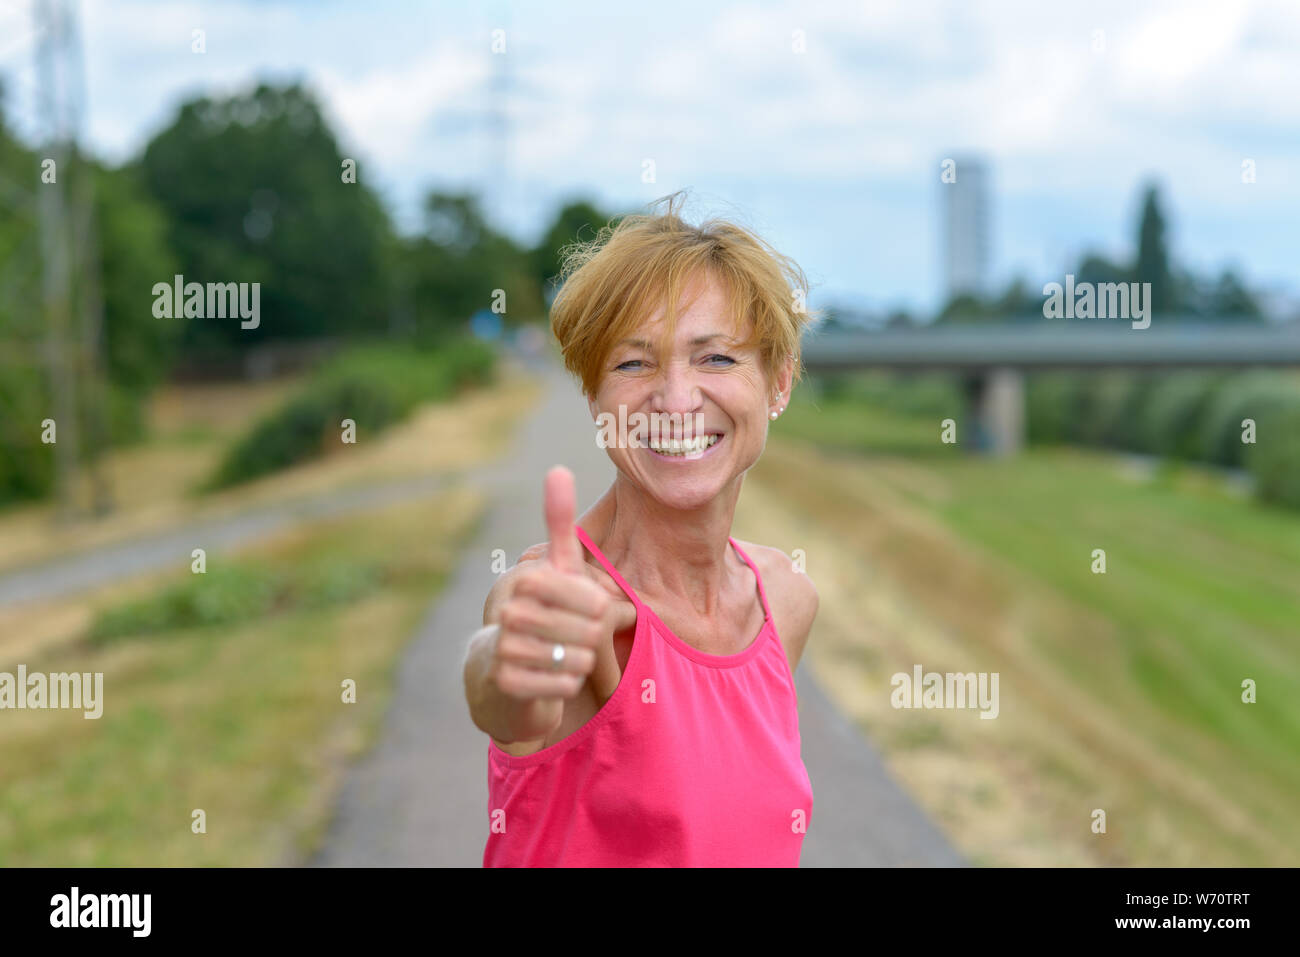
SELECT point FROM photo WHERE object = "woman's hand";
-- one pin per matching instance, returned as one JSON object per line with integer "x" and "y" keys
{"x": 515, "y": 689}
{"x": 554, "y": 602}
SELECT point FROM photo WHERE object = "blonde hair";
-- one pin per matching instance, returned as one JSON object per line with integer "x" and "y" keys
{"x": 615, "y": 282}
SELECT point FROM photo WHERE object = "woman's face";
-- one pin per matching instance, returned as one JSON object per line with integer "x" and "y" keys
{"x": 708, "y": 380}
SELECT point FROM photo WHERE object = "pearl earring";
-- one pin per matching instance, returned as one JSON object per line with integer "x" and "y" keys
{"x": 775, "y": 414}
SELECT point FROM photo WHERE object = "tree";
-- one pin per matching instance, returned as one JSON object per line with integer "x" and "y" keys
{"x": 254, "y": 190}
{"x": 578, "y": 220}
{"x": 1231, "y": 300}
{"x": 133, "y": 347}
{"x": 458, "y": 264}
{"x": 1152, "y": 264}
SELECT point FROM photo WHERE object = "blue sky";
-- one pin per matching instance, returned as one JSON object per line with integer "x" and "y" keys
{"x": 833, "y": 153}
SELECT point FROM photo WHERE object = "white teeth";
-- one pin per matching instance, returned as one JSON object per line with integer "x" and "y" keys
{"x": 687, "y": 447}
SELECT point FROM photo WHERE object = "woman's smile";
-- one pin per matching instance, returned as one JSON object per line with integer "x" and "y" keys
{"x": 687, "y": 450}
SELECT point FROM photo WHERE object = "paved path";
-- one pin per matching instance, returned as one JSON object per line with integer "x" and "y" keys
{"x": 66, "y": 575}
{"x": 420, "y": 796}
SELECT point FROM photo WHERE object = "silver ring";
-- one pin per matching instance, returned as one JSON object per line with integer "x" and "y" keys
{"x": 557, "y": 656}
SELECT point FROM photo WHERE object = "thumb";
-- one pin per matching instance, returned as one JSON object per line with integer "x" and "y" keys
{"x": 559, "y": 505}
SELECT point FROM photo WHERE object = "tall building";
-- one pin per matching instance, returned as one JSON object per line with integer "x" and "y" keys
{"x": 965, "y": 188}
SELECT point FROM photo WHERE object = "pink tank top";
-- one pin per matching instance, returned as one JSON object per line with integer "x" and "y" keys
{"x": 692, "y": 762}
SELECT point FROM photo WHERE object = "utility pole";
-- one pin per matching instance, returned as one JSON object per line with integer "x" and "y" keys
{"x": 55, "y": 275}
{"x": 69, "y": 259}
{"x": 89, "y": 286}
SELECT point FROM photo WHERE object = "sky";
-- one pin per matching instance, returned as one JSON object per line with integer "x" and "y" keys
{"x": 823, "y": 126}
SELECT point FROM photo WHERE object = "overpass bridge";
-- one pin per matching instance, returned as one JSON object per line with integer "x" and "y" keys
{"x": 992, "y": 359}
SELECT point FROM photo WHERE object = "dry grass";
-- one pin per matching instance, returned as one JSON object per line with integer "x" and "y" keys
{"x": 191, "y": 428}
{"x": 899, "y": 588}
{"x": 245, "y": 722}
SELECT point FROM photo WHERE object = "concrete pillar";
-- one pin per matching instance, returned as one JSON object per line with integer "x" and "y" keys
{"x": 995, "y": 420}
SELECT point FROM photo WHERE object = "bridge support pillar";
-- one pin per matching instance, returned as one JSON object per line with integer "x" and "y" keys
{"x": 995, "y": 411}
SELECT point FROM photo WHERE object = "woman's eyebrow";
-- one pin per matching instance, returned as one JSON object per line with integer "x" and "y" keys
{"x": 697, "y": 341}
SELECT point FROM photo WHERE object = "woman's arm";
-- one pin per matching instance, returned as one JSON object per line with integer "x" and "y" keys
{"x": 546, "y": 599}
{"x": 495, "y": 706}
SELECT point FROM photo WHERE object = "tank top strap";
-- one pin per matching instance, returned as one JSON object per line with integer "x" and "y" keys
{"x": 607, "y": 565}
{"x": 762, "y": 593}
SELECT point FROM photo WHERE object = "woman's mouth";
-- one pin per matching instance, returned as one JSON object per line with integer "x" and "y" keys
{"x": 685, "y": 449}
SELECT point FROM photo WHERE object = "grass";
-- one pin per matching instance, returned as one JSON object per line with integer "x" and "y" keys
{"x": 1120, "y": 691}
{"x": 240, "y": 716}
{"x": 192, "y": 426}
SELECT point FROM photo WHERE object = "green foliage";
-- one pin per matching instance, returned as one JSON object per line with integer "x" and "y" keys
{"x": 1109, "y": 401}
{"x": 134, "y": 346}
{"x": 1253, "y": 395}
{"x": 578, "y": 221}
{"x": 373, "y": 385}
{"x": 1052, "y": 404}
{"x": 253, "y": 190}
{"x": 1169, "y": 420}
{"x": 1152, "y": 256}
{"x": 1274, "y": 459}
{"x": 26, "y": 464}
{"x": 137, "y": 348}
{"x": 232, "y": 593}
{"x": 932, "y": 396}
{"x": 226, "y": 594}
{"x": 453, "y": 270}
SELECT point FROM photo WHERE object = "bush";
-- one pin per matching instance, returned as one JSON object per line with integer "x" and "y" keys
{"x": 1048, "y": 397}
{"x": 1274, "y": 459}
{"x": 1250, "y": 396}
{"x": 226, "y": 594}
{"x": 1171, "y": 417}
{"x": 930, "y": 396}
{"x": 26, "y": 464}
{"x": 1104, "y": 401}
{"x": 231, "y": 593}
{"x": 374, "y": 386}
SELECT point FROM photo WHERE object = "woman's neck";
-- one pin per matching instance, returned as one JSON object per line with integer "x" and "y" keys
{"x": 663, "y": 551}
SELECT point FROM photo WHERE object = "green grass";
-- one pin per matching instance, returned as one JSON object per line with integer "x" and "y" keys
{"x": 237, "y": 712}
{"x": 1202, "y": 590}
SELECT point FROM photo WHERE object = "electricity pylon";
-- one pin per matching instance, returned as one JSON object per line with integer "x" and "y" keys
{"x": 70, "y": 259}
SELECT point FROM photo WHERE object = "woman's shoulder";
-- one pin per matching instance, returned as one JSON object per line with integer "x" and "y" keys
{"x": 790, "y": 592}
{"x": 771, "y": 561}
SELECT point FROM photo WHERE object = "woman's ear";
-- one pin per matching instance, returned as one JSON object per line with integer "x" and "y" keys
{"x": 785, "y": 379}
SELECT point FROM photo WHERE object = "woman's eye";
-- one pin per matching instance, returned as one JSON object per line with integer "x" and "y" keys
{"x": 623, "y": 365}
{"x": 727, "y": 359}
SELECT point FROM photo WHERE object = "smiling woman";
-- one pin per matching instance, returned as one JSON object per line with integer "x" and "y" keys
{"x": 638, "y": 697}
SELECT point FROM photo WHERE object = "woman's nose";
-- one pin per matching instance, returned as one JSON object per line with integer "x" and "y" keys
{"x": 678, "y": 392}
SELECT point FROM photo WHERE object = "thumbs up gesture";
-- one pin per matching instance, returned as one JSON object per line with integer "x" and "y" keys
{"x": 557, "y": 615}
{"x": 559, "y": 505}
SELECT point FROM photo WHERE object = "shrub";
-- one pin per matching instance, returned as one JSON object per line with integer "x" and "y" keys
{"x": 374, "y": 386}
{"x": 236, "y": 592}
{"x": 1274, "y": 459}
{"x": 1250, "y": 396}
{"x": 1106, "y": 399}
{"x": 1052, "y": 403}
{"x": 226, "y": 594}
{"x": 1170, "y": 418}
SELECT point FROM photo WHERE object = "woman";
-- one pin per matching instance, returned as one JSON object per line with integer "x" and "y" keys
{"x": 634, "y": 673}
